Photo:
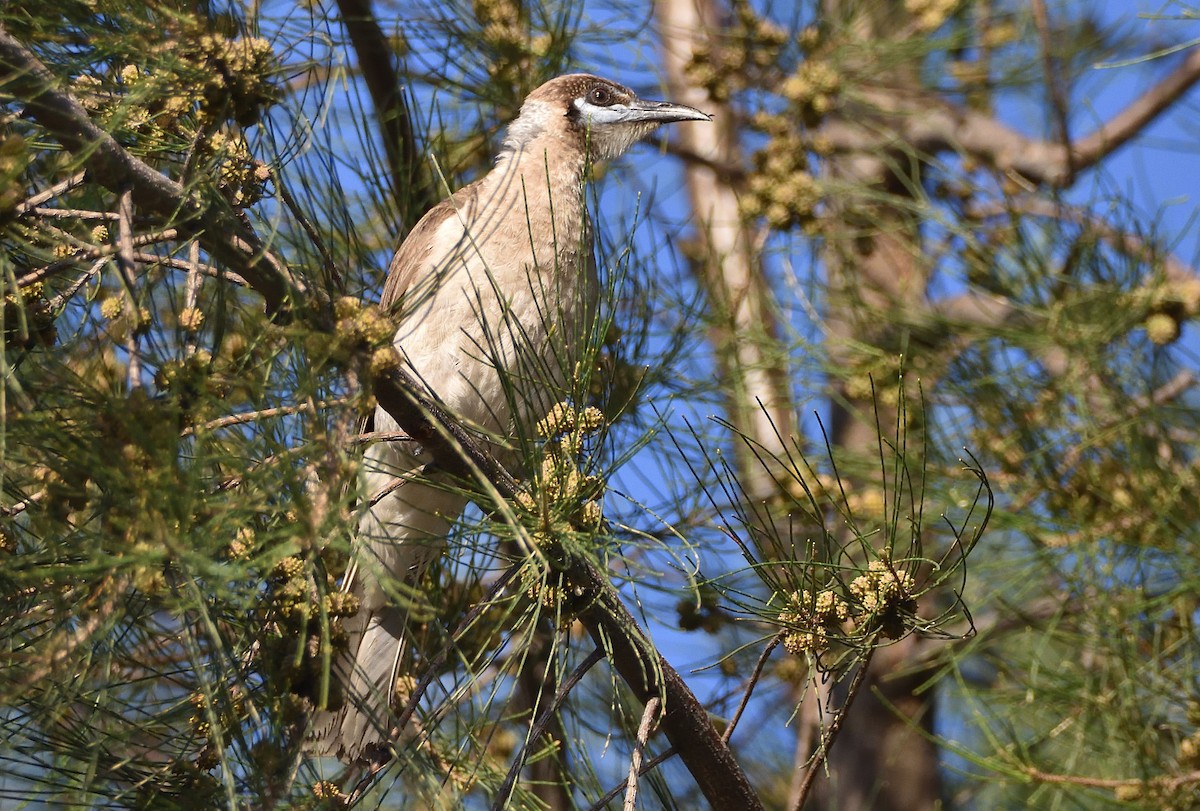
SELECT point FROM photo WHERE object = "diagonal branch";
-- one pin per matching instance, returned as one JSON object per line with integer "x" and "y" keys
{"x": 219, "y": 231}
{"x": 639, "y": 663}
{"x": 539, "y": 727}
{"x": 412, "y": 195}
{"x": 1058, "y": 97}
{"x": 1119, "y": 239}
{"x": 1139, "y": 114}
{"x": 931, "y": 125}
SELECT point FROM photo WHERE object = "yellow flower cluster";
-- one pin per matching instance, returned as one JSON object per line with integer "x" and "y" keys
{"x": 813, "y": 88}
{"x": 34, "y": 326}
{"x": 509, "y": 45}
{"x": 242, "y": 546}
{"x": 199, "y": 717}
{"x": 565, "y": 418}
{"x": 240, "y": 176}
{"x": 191, "y": 319}
{"x": 810, "y": 618}
{"x": 365, "y": 326}
{"x": 186, "y": 377}
{"x": 881, "y": 598}
{"x": 747, "y": 48}
{"x": 237, "y": 72}
{"x": 330, "y": 793}
{"x": 562, "y": 499}
{"x": 930, "y": 14}
{"x": 881, "y": 587}
{"x": 1167, "y": 306}
{"x": 562, "y": 489}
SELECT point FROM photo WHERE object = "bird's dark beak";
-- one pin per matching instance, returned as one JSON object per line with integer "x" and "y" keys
{"x": 662, "y": 112}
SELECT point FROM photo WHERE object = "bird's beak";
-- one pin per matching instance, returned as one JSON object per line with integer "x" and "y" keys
{"x": 662, "y": 112}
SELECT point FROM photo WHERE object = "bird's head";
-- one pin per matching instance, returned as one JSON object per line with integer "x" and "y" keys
{"x": 596, "y": 116}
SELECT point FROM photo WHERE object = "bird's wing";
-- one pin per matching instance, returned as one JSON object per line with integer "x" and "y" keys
{"x": 413, "y": 258}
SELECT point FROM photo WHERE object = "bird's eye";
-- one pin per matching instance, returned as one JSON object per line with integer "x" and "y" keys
{"x": 600, "y": 96}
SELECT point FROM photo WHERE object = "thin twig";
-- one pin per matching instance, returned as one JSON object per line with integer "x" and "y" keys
{"x": 75, "y": 286}
{"x": 331, "y": 268}
{"x": 835, "y": 726}
{"x": 75, "y": 214}
{"x": 650, "y": 766}
{"x": 126, "y": 264}
{"x": 1170, "y": 783}
{"x": 1125, "y": 241}
{"x": 1132, "y": 120}
{"x": 754, "y": 677}
{"x": 535, "y": 732}
{"x": 649, "y": 716}
{"x": 96, "y": 252}
{"x": 379, "y": 436}
{"x": 22, "y": 505}
{"x": 410, "y": 187}
{"x": 1058, "y": 98}
{"x": 262, "y": 414}
{"x": 191, "y": 293}
{"x": 77, "y": 179}
{"x": 190, "y": 267}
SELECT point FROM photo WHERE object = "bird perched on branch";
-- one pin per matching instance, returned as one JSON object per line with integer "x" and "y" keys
{"x": 496, "y": 290}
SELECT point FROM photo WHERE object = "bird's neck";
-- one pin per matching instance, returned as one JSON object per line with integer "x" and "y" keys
{"x": 535, "y": 200}
{"x": 542, "y": 170}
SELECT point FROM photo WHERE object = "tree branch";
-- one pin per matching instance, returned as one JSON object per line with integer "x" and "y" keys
{"x": 930, "y": 125}
{"x": 375, "y": 55}
{"x": 639, "y": 749}
{"x": 1126, "y": 242}
{"x": 831, "y": 732}
{"x": 640, "y": 665}
{"x": 1058, "y": 98}
{"x": 1139, "y": 114}
{"x": 539, "y": 727}
{"x": 220, "y": 232}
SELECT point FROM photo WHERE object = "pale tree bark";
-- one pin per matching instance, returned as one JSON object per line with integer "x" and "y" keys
{"x": 873, "y": 263}
{"x": 744, "y": 331}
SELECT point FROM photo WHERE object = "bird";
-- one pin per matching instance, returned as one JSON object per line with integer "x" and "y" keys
{"x": 496, "y": 289}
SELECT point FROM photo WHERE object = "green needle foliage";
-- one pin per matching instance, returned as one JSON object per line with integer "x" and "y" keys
{"x": 884, "y": 439}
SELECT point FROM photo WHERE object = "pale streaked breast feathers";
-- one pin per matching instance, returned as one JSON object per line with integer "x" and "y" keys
{"x": 415, "y": 257}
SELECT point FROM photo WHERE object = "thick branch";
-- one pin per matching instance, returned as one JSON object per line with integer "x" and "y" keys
{"x": 1134, "y": 118}
{"x": 220, "y": 233}
{"x": 685, "y": 721}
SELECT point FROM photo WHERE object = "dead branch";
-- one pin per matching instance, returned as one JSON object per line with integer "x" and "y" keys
{"x": 649, "y": 715}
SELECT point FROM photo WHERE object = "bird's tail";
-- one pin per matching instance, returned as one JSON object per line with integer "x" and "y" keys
{"x": 365, "y": 673}
{"x": 401, "y": 533}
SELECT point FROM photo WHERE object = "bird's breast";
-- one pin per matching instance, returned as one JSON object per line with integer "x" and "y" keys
{"x": 501, "y": 325}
